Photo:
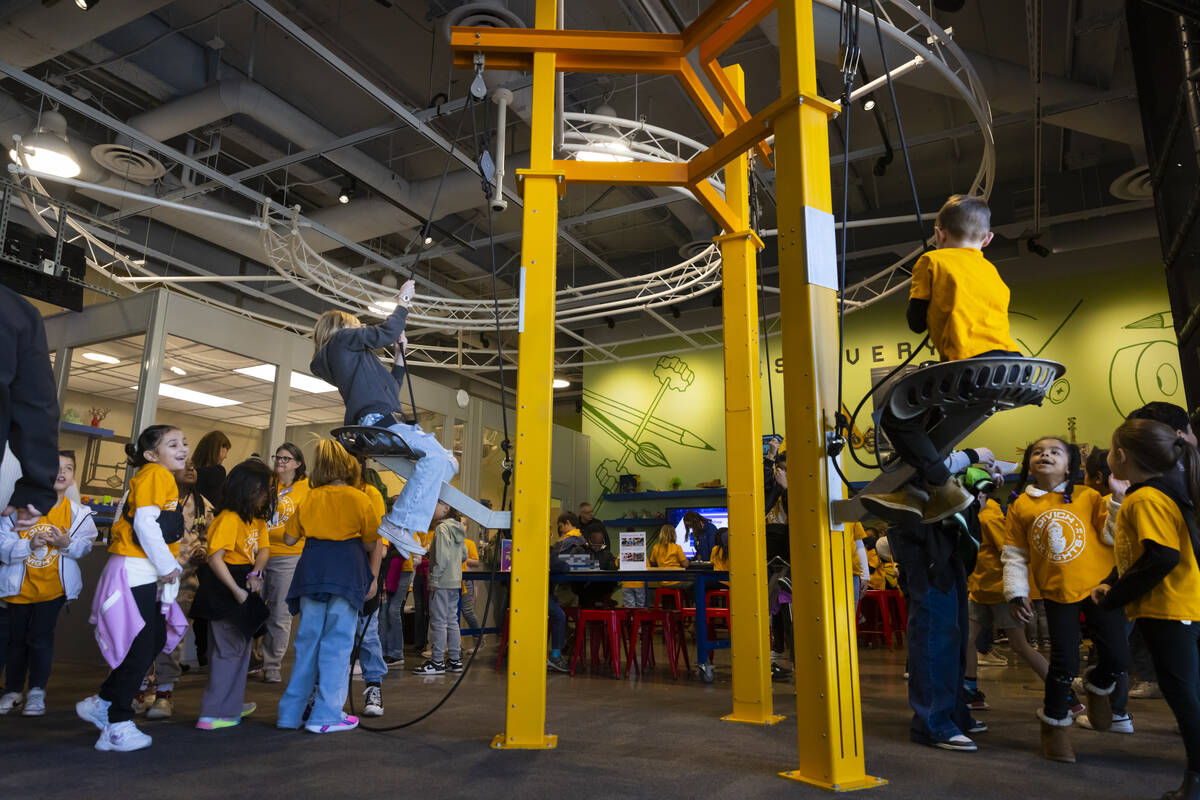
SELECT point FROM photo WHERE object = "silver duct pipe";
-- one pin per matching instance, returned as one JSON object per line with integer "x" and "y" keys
{"x": 41, "y": 31}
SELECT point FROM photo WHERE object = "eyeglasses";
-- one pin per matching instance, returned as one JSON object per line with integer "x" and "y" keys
{"x": 282, "y": 459}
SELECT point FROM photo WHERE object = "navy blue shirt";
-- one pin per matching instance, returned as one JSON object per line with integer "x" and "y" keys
{"x": 348, "y": 362}
{"x": 705, "y": 539}
{"x": 326, "y": 567}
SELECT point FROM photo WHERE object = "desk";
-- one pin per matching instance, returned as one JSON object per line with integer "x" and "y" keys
{"x": 702, "y": 579}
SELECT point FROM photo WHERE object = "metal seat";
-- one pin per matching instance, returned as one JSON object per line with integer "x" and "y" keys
{"x": 965, "y": 393}
{"x": 389, "y": 449}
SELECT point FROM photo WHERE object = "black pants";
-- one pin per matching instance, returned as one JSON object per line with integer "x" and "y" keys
{"x": 1141, "y": 663}
{"x": 1107, "y": 629}
{"x": 912, "y": 443}
{"x": 200, "y": 634}
{"x": 1174, "y": 648}
{"x": 31, "y": 643}
{"x": 123, "y": 682}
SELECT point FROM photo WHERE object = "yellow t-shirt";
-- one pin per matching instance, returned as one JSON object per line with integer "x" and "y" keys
{"x": 1150, "y": 515}
{"x": 1066, "y": 557}
{"x": 855, "y": 532}
{"x": 986, "y": 583}
{"x": 719, "y": 558}
{"x": 472, "y": 553}
{"x": 426, "y": 540}
{"x": 669, "y": 555}
{"x": 42, "y": 579}
{"x": 284, "y": 521}
{"x": 968, "y": 302}
{"x": 153, "y": 485}
{"x": 338, "y": 513}
{"x": 240, "y": 540}
{"x": 377, "y": 503}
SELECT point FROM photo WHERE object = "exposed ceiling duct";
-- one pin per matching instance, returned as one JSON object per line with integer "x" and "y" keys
{"x": 41, "y": 31}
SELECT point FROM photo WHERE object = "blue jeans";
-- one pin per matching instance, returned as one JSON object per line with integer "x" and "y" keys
{"x": 413, "y": 509}
{"x": 393, "y": 621}
{"x": 558, "y": 624}
{"x": 370, "y": 650}
{"x": 937, "y": 639}
{"x": 324, "y": 639}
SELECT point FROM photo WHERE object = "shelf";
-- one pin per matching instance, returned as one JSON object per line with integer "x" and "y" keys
{"x": 86, "y": 430}
{"x": 633, "y": 497}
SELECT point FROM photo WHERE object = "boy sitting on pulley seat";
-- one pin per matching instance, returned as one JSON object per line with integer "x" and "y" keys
{"x": 344, "y": 357}
{"x": 958, "y": 296}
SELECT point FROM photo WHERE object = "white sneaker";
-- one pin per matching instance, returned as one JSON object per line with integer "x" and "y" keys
{"x": 401, "y": 538}
{"x": 992, "y": 658}
{"x": 958, "y": 742}
{"x": 93, "y": 710}
{"x": 1146, "y": 690}
{"x": 373, "y": 702}
{"x": 122, "y": 737}
{"x": 1119, "y": 724}
{"x": 35, "y": 703}
{"x": 10, "y": 701}
{"x": 348, "y": 723}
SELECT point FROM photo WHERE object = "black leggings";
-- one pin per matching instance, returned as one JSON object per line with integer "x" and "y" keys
{"x": 1107, "y": 629}
{"x": 123, "y": 682}
{"x": 31, "y": 643}
{"x": 1175, "y": 648}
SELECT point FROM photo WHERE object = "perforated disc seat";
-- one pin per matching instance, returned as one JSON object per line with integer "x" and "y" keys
{"x": 965, "y": 393}
{"x": 362, "y": 440}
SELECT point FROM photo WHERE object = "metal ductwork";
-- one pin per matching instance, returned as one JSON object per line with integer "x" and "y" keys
{"x": 1006, "y": 84}
{"x": 41, "y": 31}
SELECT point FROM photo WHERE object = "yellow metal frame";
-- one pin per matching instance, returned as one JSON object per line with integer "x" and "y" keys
{"x": 827, "y": 668}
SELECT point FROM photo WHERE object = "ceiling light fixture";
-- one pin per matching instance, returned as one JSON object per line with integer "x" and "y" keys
{"x": 560, "y": 383}
{"x": 346, "y": 194}
{"x": 86, "y": 5}
{"x": 46, "y": 149}
{"x": 605, "y": 144}
{"x": 305, "y": 383}
{"x": 869, "y": 104}
{"x": 190, "y": 396}
{"x": 428, "y": 241}
{"x": 102, "y": 358}
{"x": 178, "y": 370}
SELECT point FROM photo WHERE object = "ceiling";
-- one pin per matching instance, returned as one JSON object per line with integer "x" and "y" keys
{"x": 133, "y": 60}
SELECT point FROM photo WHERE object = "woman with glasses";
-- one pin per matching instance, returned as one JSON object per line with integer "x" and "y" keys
{"x": 293, "y": 489}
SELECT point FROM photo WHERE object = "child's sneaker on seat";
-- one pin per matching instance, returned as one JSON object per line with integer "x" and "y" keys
{"x": 93, "y": 710}
{"x": 163, "y": 706}
{"x": 946, "y": 501}
{"x": 35, "y": 703}
{"x": 122, "y": 737}
{"x": 401, "y": 538}
{"x": 373, "y": 701}
{"x": 906, "y": 504}
{"x": 430, "y": 667}
{"x": 348, "y": 723}
{"x": 454, "y": 665}
{"x": 10, "y": 701}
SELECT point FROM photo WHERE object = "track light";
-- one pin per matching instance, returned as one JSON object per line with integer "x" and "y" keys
{"x": 675, "y": 312}
{"x": 347, "y": 192}
{"x": 612, "y": 323}
{"x": 869, "y": 103}
{"x": 428, "y": 241}
{"x": 87, "y": 5}
{"x": 1036, "y": 248}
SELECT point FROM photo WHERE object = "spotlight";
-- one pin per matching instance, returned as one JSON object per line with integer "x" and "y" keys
{"x": 1036, "y": 248}
{"x": 87, "y": 5}
{"x": 347, "y": 192}
{"x": 869, "y": 103}
{"x": 612, "y": 323}
{"x": 46, "y": 148}
{"x": 675, "y": 312}
{"x": 344, "y": 196}
{"x": 560, "y": 383}
{"x": 428, "y": 241}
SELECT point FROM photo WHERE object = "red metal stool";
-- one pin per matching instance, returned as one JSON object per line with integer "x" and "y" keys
{"x": 898, "y": 609}
{"x": 570, "y": 612}
{"x": 876, "y": 618}
{"x": 672, "y": 633}
{"x": 675, "y": 594}
{"x": 610, "y": 622}
{"x": 715, "y": 612}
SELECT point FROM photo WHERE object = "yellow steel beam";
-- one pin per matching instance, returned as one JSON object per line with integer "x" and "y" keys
{"x": 527, "y": 40}
{"x": 525, "y": 707}
{"x": 647, "y": 173}
{"x": 709, "y": 22}
{"x": 830, "y": 737}
{"x": 577, "y": 62}
{"x": 750, "y": 644}
{"x": 738, "y": 140}
{"x": 700, "y": 96}
{"x": 712, "y": 68}
{"x": 733, "y": 28}
{"x": 716, "y": 206}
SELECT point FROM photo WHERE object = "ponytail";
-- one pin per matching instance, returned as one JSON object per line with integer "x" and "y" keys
{"x": 147, "y": 440}
{"x": 1189, "y": 458}
{"x": 1157, "y": 449}
{"x": 1023, "y": 478}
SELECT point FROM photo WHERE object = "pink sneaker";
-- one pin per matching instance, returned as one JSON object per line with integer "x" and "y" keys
{"x": 348, "y": 723}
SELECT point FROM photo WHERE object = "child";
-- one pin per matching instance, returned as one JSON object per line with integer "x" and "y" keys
{"x": 446, "y": 558}
{"x": 293, "y": 489}
{"x": 1056, "y": 535}
{"x": 238, "y": 549}
{"x": 134, "y": 608}
{"x": 1157, "y": 545}
{"x": 333, "y": 577}
{"x": 344, "y": 357}
{"x": 666, "y": 553}
{"x": 39, "y": 573}
{"x": 959, "y": 297}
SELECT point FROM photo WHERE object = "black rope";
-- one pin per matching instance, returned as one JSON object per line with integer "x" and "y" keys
{"x": 755, "y": 221}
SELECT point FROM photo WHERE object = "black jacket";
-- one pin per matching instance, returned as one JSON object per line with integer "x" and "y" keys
{"x": 347, "y": 361}
{"x": 210, "y": 481}
{"x": 28, "y": 402}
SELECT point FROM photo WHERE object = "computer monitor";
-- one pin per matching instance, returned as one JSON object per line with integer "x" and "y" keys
{"x": 717, "y": 515}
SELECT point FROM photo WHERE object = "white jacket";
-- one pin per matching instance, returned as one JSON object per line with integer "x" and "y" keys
{"x": 14, "y": 550}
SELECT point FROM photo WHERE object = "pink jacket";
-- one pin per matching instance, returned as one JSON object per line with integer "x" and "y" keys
{"x": 117, "y": 619}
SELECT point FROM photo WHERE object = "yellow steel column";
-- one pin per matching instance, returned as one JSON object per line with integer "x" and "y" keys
{"x": 750, "y": 645}
{"x": 827, "y": 699}
{"x": 525, "y": 707}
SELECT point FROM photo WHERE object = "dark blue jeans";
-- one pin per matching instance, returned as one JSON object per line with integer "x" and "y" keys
{"x": 937, "y": 639}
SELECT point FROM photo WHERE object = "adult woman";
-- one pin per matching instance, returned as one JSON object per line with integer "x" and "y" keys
{"x": 293, "y": 489}
{"x": 208, "y": 456}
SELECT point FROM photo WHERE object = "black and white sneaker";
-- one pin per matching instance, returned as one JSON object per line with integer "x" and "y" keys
{"x": 454, "y": 665}
{"x": 430, "y": 667}
{"x": 977, "y": 726}
{"x": 372, "y": 701}
{"x": 960, "y": 743}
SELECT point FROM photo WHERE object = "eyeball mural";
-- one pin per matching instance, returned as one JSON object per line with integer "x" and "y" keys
{"x": 1147, "y": 371}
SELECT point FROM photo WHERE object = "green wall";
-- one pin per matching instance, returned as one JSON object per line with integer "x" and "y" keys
{"x": 1112, "y": 329}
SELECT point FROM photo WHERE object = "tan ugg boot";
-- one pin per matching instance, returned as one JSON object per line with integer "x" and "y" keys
{"x": 1056, "y": 744}
{"x": 1099, "y": 703}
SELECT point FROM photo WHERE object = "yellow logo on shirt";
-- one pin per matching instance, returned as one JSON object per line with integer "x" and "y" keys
{"x": 44, "y": 556}
{"x": 1058, "y": 535}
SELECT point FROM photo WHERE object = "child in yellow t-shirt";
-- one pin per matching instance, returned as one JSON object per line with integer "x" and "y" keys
{"x": 1056, "y": 535}
{"x": 142, "y": 577}
{"x": 332, "y": 581}
{"x": 1157, "y": 543}
{"x": 238, "y": 550}
{"x": 959, "y": 297}
{"x": 39, "y": 574}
